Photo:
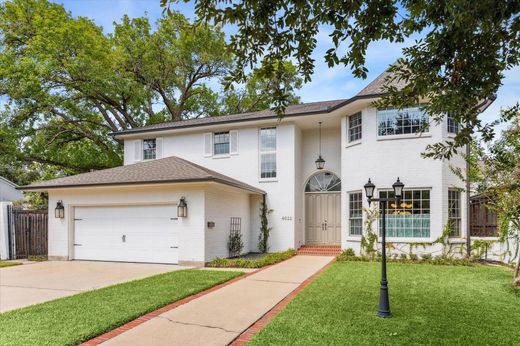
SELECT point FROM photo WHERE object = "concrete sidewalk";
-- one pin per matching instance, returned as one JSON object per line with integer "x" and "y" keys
{"x": 219, "y": 317}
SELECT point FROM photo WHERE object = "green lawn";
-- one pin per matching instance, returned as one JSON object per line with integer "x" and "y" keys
{"x": 431, "y": 305}
{"x": 8, "y": 264}
{"x": 70, "y": 320}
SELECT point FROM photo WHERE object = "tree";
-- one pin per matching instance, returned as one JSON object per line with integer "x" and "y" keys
{"x": 257, "y": 92}
{"x": 502, "y": 169}
{"x": 458, "y": 64}
{"x": 67, "y": 85}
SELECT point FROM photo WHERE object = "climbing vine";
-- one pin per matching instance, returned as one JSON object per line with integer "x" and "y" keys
{"x": 265, "y": 230}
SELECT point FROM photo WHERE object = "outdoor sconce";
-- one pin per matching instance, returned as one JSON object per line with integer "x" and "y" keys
{"x": 59, "y": 212}
{"x": 182, "y": 208}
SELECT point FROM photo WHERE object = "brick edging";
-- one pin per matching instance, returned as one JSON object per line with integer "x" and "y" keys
{"x": 248, "y": 334}
{"x": 146, "y": 317}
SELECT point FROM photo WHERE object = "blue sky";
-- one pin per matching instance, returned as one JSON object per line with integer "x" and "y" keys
{"x": 326, "y": 84}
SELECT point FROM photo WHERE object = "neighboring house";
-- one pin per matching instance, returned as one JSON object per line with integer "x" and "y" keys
{"x": 224, "y": 166}
{"x": 8, "y": 194}
{"x": 8, "y": 191}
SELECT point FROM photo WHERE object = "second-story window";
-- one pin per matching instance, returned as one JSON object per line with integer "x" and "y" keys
{"x": 268, "y": 153}
{"x": 393, "y": 121}
{"x": 354, "y": 127}
{"x": 221, "y": 143}
{"x": 149, "y": 149}
{"x": 453, "y": 125}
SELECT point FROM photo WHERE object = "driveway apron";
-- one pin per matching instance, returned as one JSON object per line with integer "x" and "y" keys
{"x": 35, "y": 283}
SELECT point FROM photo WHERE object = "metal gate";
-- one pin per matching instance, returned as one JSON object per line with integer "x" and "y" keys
{"x": 28, "y": 233}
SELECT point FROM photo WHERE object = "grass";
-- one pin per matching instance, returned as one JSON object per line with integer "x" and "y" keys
{"x": 71, "y": 320}
{"x": 8, "y": 264}
{"x": 431, "y": 305}
{"x": 268, "y": 259}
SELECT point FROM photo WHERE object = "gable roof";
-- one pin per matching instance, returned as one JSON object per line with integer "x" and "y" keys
{"x": 376, "y": 87}
{"x": 167, "y": 170}
{"x": 8, "y": 182}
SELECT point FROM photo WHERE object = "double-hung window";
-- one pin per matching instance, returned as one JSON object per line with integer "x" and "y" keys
{"x": 454, "y": 214}
{"x": 354, "y": 127}
{"x": 393, "y": 121}
{"x": 453, "y": 125}
{"x": 355, "y": 213}
{"x": 409, "y": 219}
{"x": 149, "y": 149}
{"x": 268, "y": 153}
{"x": 221, "y": 143}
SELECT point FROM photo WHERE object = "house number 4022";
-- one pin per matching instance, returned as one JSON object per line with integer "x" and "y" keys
{"x": 287, "y": 218}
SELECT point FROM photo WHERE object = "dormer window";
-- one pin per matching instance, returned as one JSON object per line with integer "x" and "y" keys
{"x": 149, "y": 149}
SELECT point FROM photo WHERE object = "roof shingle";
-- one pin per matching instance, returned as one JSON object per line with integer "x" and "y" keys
{"x": 167, "y": 170}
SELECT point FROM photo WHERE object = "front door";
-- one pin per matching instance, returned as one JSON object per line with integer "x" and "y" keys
{"x": 323, "y": 218}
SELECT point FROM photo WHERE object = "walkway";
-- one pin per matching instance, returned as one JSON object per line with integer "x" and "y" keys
{"x": 220, "y": 316}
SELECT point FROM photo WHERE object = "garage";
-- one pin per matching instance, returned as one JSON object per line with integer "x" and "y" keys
{"x": 137, "y": 233}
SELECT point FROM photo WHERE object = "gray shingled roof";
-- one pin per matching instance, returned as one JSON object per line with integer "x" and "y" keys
{"x": 167, "y": 170}
{"x": 301, "y": 109}
{"x": 375, "y": 87}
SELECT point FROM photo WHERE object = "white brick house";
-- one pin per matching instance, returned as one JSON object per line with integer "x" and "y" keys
{"x": 129, "y": 213}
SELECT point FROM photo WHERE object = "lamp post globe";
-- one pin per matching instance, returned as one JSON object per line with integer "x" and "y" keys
{"x": 398, "y": 189}
{"x": 369, "y": 189}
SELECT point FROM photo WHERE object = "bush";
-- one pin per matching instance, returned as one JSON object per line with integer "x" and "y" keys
{"x": 404, "y": 256}
{"x": 426, "y": 256}
{"x": 271, "y": 258}
{"x": 427, "y": 259}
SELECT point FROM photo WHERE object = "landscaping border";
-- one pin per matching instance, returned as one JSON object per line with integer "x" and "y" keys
{"x": 248, "y": 334}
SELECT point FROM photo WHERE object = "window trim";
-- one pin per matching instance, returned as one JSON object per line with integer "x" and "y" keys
{"x": 349, "y": 212}
{"x": 406, "y": 238}
{"x": 213, "y": 142}
{"x": 350, "y": 141}
{"x": 260, "y": 153}
{"x": 154, "y": 150}
{"x": 448, "y": 127}
{"x": 458, "y": 232}
{"x": 422, "y": 134}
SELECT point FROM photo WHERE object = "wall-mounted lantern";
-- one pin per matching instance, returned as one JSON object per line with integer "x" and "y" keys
{"x": 182, "y": 208}
{"x": 59, "y": 212}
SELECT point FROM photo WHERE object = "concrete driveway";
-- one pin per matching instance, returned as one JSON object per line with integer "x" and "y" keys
{"x": 35, "y": 283}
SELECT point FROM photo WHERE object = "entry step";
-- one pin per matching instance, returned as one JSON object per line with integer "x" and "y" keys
{"x": 320, "y": 250}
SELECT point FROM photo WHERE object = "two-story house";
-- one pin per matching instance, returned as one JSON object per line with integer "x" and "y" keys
{"x": 182, "y": 182}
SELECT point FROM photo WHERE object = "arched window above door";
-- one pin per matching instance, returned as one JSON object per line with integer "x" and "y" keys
{"x": 323, "y": 182}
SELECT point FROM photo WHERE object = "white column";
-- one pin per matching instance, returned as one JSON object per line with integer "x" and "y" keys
{"x": 4, "y": 238}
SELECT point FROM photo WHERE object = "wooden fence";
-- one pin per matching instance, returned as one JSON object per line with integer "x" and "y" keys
{"x": 482, "y": 221}
{"x": 28, "y": 233}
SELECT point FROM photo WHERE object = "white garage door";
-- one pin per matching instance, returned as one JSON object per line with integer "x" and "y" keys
{"x": 126, "y": 233}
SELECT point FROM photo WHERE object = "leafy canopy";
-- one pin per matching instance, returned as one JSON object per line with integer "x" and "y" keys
{"x": 457, "y": 65}
{"x": 67, "y": 85}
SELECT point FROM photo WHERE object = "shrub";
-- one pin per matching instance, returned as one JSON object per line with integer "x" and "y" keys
{"x": 440, "y": 260}
{"x": 271, "y": 258}
{"x": 403, "y": 256}
{"x": 426, "y": 256}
